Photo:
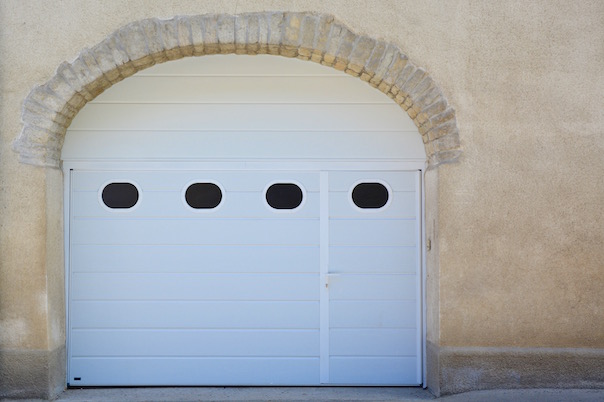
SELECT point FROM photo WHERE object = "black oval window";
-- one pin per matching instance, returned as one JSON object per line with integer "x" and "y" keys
{"x": 120, "y": 195}
{"x": 203, "y": 195}
{"x": 284, "y": 196}
{"x": 370, "y": 195}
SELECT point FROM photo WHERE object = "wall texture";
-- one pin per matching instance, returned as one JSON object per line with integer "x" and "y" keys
{"x": 516, "y": 272}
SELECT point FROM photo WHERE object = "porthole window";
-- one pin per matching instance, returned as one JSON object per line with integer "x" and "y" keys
{"x": 284, "y": 196}
{"x": 120, "y": 195}
{"x": 203, "y": 196}
{"x": 370, "y": 195}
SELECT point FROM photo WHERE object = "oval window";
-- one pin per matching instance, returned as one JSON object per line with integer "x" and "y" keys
{"x": 120, "y": 195}
{"x": 370, "y": 195}
{"x": 203, "y": 195}
{"x": 284, "y": 196}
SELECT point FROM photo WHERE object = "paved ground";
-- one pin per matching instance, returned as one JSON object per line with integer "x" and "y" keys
{"x": 323, "y": 394}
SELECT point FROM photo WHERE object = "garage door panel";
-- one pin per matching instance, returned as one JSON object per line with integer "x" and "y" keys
{"x": 397, "y": 181}
{"x": 194, "y": 258}
{"x": 373, "y": 259}
{"x": 349, "y": 232}
{"x": 193, "y": 343}
{"x": 195, "y": 314}
{"x": 372, "y": 287}
{"x": 181, "y": 286}
{"x": 401, "y": 206}
{"x": 176, "y": 117}
{"x": 157, "y": 180}
{"x": 167, "y": 204}
{"x": 373, "y": 342}
{"x": 195, "y": 371}
{"x": 372, "y": 314}
{"x": 373, "y": 370}
{"x": 215, "y": 232}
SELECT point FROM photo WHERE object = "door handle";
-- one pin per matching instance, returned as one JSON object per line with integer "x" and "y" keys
{"x": 328, "y": 277}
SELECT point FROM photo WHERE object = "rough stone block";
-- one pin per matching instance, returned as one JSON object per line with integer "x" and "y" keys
{"x": 360, "y": 55}
{"x": 338, "y": 33}
{"x": 169, "y": 35}
{"x": 263, "y": 32}
{"x": 60, "y": 87}
{"x": 209, "y": 26}
{"x": 291, "y": 29}
{"x": 240, "y": 34}
{"x": 184, "y": 36}
{"x": 152, "y": 30}
{"x": 377, "y": 54}
{"x": 197, "y": 26}
{"x": 347, "y": 45}
{"x": 399, "y": 62}
{"x": 441, "y": 130}
{"x": 252, "y": 33}
{"x": 308, "y": 31}
{"x": 106, "y": 61}
{"x": 447, "y": 142}
{"x": 275, "y": 32}
{"x": 428, "y": 98}
{"x": 382, "y": 67}
{"x": 95, "y": 71}
{"x": 226, "y": 33}
{"x": 134, "y": 42}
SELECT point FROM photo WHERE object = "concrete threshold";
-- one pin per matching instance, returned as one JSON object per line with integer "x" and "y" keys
{"x": 405, "y": 394}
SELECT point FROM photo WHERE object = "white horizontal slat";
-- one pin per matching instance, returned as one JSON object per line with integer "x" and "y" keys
{"x": 160, "y": 204}
{"x": 185, "y": 231}
{"x": 193, "y": 343}
{"x": 373, "y": 370}
{"x": 372, "y": 342}
{"x": 194, "y": 371}
{"x": 244, "y": 117}
{"x": 372, "y": 232}
{"x": 373, "y": 259}
{"x": 167, "y": 180}
{"x": 184, "y": 286}
{"x": 402, "y": 204}
{"x": 242, "y": 89}
{"x": 397, "y": 181}
{"x": 204, "y": 314}
{"x": 148, "y": 144}
{"x": 232, "y": 64}
{"x": 197, "y": 258}
{"x": 372, "y": 314}
{"x": 372, "y": 287}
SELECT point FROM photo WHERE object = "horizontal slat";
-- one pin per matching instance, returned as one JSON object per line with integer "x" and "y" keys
{"x": 217, "y": 231}
{"x": 194, "y": 371}
{"x": 176, "y": 180}
{"x": 164, "y": 204}
{"x": 402, "y": 204}
{"x": 192, "y": 343}
{"x": 287, "y": 144}
{"x": 374, "y": 370}
{"x": 372, "y": 314}
{"x": 372, "y": 342}
{"x": 397, "y": 181}
{"x": 194, "y": 287}
{"x": 373, "y": 259}
{"x": 242, "y": 89}
{"x": 231, "y": 64}
{"x": 372, "y": 287}
{"x": 243, "y": 117}
{"x": 372, "y": 232}
{"x": 197, "y": 258}
{"x": 206, "y": 314}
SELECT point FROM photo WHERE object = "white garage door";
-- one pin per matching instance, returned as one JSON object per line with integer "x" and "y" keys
{"x": 241, "y": 251}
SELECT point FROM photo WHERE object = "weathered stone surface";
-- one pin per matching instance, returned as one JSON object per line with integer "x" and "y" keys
{"x": 345, "y": 49}
{"x": 184, "y": 36}
{"x": 322, "y": 37}
{"x": 169, "y": 35}
{"x": 155, "y": 46}
{"x": 226, "y": 33}
{"x": 209, "y": 29}
{"x": 336, "y": 36}
{"x": 308, "y": 32}
{"x": 390, "y": 52}
{"x": 241, "y": 22}
{"x": 362, "y": 52}
{"x": 197, "y": 24}
{"x": 252, "y": 39}
{"x": 275, "y": 32}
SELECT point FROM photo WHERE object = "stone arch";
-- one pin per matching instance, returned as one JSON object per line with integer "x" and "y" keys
{"x": 49, "y": 108}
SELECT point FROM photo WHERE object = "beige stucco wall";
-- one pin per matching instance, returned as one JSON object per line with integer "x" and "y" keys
{"x": 517, "y": 255}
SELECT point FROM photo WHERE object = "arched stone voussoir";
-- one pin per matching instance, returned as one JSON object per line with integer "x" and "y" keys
{"x": 48, "y": 109}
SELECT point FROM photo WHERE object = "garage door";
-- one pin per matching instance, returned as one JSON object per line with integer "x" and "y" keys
{"x": 269, "y": 248}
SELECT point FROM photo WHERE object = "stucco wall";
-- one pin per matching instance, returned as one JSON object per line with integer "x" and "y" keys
{"x": 518, "y": 240}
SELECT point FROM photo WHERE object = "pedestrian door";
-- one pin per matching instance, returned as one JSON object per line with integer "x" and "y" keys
{"x": 244, "y": 277}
